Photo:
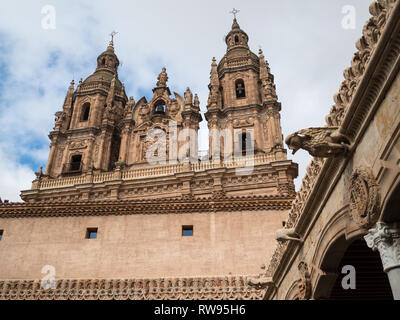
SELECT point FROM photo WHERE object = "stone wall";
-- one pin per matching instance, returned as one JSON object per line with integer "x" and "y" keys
{"x": 138, "y": 246}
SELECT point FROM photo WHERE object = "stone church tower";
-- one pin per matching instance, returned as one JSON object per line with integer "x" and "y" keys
{"x": 87, "y": 132}
{"x": 243, "y": 99}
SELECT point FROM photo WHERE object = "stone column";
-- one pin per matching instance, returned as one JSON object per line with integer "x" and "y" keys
{"x": 124, "y": 144}
{"x": 258, "y": 142}
{"x": 385, "y": 238}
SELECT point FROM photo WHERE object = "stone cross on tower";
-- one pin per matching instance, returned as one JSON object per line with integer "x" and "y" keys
{"x": 234, "y": 12}
{"x": 112, "y": 34}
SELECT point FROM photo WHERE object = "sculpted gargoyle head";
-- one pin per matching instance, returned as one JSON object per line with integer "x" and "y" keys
{"x": 294, "y": 142}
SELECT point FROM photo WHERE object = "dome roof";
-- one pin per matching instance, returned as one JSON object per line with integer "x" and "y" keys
{"x": 236, "y": 38}
{"x": 107, "y": 66}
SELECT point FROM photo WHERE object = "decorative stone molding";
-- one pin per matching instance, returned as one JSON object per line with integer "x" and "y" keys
{"x": 212, "y": 288}
{"x": 364, "y": 197}
{"x": 304, "y": 284}
{"x": 178, "y": 205}
{"x": 385, "y": 238}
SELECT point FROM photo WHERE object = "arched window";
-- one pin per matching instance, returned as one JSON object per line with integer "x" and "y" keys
{"x": 76, "y": 163}
{"x": 85, "y": 112}
{"x": 103, "y": 62}
{"x": 236, "y": 39}
{"x": 159, "y": 107}
{"x": 240, "y": 89}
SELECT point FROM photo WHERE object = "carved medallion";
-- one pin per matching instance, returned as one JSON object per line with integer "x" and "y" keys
{"x": 364, "y": 198}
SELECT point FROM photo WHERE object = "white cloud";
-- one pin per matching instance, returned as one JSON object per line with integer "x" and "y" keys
{"x": 303, "y": 40}
{"x": 14, "y": 177}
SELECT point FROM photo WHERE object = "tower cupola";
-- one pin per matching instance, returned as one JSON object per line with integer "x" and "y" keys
{"x": 236, "y": 38}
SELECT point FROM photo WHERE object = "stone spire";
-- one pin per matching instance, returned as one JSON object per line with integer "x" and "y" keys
{"x": 69, "y": 96}
{"x": 214, "y": 85}
{"x": 268, "y": 88}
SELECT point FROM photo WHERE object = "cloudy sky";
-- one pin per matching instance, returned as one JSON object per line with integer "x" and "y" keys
{"x": 304, "y": 42}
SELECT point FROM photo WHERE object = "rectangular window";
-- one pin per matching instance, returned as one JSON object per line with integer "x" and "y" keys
{"x": 187, "y": 231}
{"x": 1, "y": 234}
{"x": 91, "y": 233}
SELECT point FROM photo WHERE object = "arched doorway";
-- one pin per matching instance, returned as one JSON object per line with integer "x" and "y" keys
{"x": 371, "y": 281}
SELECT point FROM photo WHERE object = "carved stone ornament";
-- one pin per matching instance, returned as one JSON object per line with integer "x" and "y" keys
{"x": 162, "y": 78}
{"x": 78, "y": 145}
{"x": 260, "y": 283}
{"x": 304, "y": 284}
{"x": 385, "y": 238}
{"x": 364, "y": 197}
{"x": 210, "y": 288}
{"x": 323, "y": 142}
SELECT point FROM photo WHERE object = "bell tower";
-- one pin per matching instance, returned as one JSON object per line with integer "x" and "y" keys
{"x": 243, "y": 100}
{"x": 86, "y": 134}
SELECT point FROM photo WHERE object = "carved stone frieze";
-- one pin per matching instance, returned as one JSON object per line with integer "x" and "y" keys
{"x": 213, "y": 288}
{"x": 78, "y": 145}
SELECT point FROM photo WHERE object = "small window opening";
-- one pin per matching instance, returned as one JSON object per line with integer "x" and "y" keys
{"x": 75, "y": 164}
{"x": 159, "y": 108}
{"x": 85, "y": 112}
{"x": 91, "y": 233}
{"x": 103, "y": 62}
{"x": 245, "y": 140}
{"x": 240, "y": 89}
{"x": 1, "y": 234}
{"x": 236, "y": 39}
{"x": 187, "y": 231}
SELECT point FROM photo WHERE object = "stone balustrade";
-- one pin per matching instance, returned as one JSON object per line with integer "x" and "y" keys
{"x": 154, "y": 171}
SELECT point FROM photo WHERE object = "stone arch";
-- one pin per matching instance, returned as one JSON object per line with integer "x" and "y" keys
{"x": 335, "y": 237}
{"x": 240, "y": 88}
{"x": 160, "y": 106}
{"x": 293, "y": 291}
{"x": 75, "y": 162}
{"x": 85, "y": 112}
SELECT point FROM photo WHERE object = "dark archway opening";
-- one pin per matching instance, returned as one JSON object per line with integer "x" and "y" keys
{"x": 159, "y": 107}
{"x": 371, "y": 281}
{"x": 85, "y": 112}
{"x": 75, "y": 165}
{"x": 240, "y": 89}
{"x": 115, "y": 148}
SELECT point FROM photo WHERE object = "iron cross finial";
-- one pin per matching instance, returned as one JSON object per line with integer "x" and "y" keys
{"x": 112, "y": 34}
{"x": 234, "y": 12}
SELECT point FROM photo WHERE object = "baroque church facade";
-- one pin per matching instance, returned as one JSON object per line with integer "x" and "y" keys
{"x": 102, "y": 222}
{"x": 110, "y": 223}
